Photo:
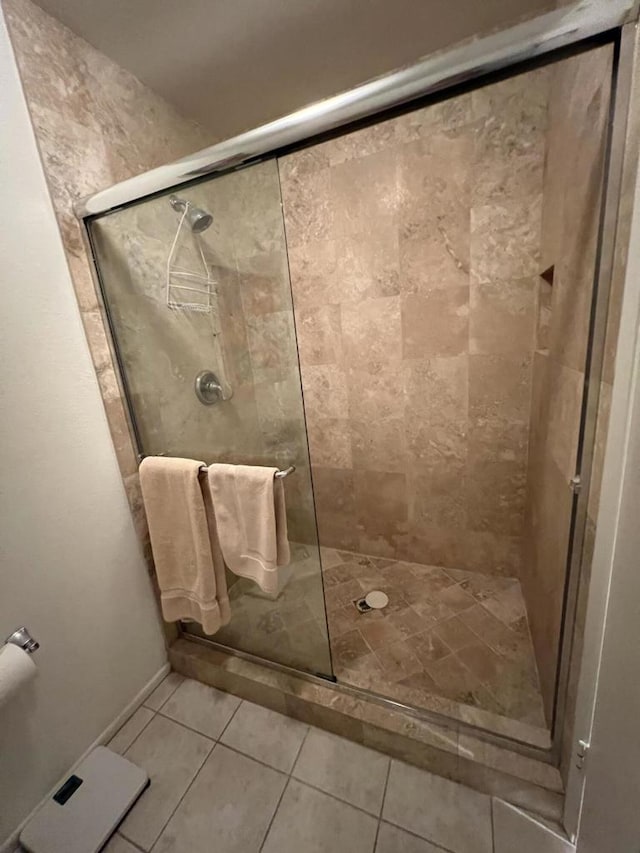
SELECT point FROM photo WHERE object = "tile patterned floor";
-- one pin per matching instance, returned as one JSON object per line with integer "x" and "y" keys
{"x": 235, "y": 777}
{"x": 460, "y": 635}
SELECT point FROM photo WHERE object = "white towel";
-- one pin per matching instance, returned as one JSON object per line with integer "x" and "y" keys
{"x": 251, "y": 520}
{"x": 186, "y": 554}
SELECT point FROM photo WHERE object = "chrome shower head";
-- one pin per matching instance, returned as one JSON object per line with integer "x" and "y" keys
{"x": 199, "y": 220}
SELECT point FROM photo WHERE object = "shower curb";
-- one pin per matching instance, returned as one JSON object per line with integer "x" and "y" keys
{"x": 447, "y": 751}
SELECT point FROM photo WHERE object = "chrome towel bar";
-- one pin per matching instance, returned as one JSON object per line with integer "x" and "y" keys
{"x": 279, "y": 474}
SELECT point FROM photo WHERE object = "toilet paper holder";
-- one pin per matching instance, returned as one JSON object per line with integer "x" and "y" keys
{"x": 23, "y": 639}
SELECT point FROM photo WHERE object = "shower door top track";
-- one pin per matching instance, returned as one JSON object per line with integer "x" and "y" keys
{"x": 560, "y": 28}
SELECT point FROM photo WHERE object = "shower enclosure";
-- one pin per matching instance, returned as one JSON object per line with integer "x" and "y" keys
{"x": 403, "y": 312}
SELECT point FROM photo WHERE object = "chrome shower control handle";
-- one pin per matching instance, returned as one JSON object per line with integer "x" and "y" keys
{"x": 208, "y": 389}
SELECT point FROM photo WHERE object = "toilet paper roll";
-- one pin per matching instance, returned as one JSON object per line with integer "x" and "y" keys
{"x": 16, "y": 669}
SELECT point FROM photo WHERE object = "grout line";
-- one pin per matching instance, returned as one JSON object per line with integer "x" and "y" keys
{"x": 188, "y": 788}
{"x": 179, "y": 684}
{"x": 334, "y": 797}
{"x": 384, "y": 796}
{"x": 420, "y": 837}
{"x": 153, "y": 713}
{"x": 229, "y": 721}
{"x": 304, "y": 740}
{"x": 252, "y": 758}
{"x": 214, "y": 740}
{"x": 493, "y": 830}
{"x": 273, "y": 816}
{"x": 132, "y": 843}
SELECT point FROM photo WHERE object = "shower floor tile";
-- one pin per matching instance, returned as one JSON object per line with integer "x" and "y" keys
{"x": 458, "y": 635}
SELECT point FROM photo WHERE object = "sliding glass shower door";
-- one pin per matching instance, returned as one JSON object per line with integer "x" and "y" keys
{"x": 197, "y": 292}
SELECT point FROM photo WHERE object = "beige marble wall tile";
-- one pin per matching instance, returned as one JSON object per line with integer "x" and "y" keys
{"x": 565, "y": 390}
{"x": 449, "y": 117}
{"x": 428, "y": 261}
{"x": 505, "y": 239}
{"x": 367, "y": 264}
{"x": 435, "y": 324}
{"x": 307, "y": 199}
{"x": 272, "y": 344}
{"x": 499, "y": 388}
{"x": 380, "y": 445}
{"x": 312, "y": 267}
{"x": 376, "y": 389}
{"x": 496, "y": 495}
{"x": 335, "y": 499}
{"x": 330, "y": 442}
{"x": 438, "y": 495}
{"x": 371, "y": 331}
{"x": 352, "y": 210}
{"x": 325, "y": 390}
{"x": 382, "y": 509}
{"x": 436, "y": 410}
{"x": 360, "y": 143}
{"x": 502, "y": 316}
{"x": 319, "y": 334}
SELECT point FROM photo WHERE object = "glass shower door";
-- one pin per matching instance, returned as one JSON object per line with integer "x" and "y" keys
{"x": 196, "y": 288}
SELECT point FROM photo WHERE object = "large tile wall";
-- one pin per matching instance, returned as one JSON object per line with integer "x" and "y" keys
{"x": 578, "y": 112}
{"x": 95, "y": 125}
{"x": 414, "y": 250}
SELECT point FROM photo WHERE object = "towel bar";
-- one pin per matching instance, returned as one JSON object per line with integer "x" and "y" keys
{"x": 279, "y": 474}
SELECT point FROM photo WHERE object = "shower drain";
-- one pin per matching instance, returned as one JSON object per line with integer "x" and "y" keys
{"x": 374, "y": 600}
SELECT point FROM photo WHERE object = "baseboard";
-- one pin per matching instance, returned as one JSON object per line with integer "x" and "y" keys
{"x": 10, "y": 844}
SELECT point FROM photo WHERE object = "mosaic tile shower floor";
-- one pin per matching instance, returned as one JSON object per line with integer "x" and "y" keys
{"x": 450, "y": 641}
{"x": 460, "y": 635}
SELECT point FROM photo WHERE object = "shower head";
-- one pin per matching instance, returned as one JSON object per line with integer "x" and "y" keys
{"x": 198, "y": 219}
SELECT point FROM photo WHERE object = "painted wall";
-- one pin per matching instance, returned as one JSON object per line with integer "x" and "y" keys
{"x": 72, "y": 567}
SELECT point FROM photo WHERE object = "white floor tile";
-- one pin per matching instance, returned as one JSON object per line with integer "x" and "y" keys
{"x": 439, "y": 810}
{"x": 163, "y": 691}
{"x": 265, "y": 735}
{"x": 171, "y": 755}
{"x": 125, "y": 736}
{"x": 201, "y": 707}
{"x": 310, "y": 821}
{"x": 343, "y": 768}
{"x": 515, "y": 830}
{"x": 227, "y": 809}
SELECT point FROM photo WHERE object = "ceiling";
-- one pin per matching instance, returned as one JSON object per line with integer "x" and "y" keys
{"x": 234, "y": 64}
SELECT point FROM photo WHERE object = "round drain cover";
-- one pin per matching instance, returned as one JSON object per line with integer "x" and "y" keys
{"x": 376, "y": 599}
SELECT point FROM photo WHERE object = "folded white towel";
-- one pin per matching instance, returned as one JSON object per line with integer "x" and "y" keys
{"x": 251, "y": 521}
{"x": 186, "y": 554}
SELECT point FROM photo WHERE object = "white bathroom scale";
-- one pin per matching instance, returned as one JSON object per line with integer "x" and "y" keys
{"x": 85, "y": 811}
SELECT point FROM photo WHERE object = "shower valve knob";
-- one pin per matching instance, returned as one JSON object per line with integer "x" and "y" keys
{"x": 207, "y": 387}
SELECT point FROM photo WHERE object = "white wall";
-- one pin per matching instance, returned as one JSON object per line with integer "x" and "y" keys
{"x": 71, "y": 568}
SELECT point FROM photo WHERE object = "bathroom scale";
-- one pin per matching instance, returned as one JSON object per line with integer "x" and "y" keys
{"x": 87, "y": 808}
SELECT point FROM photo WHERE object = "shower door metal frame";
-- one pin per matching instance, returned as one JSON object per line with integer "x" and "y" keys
{"x": 501, "y": 55}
